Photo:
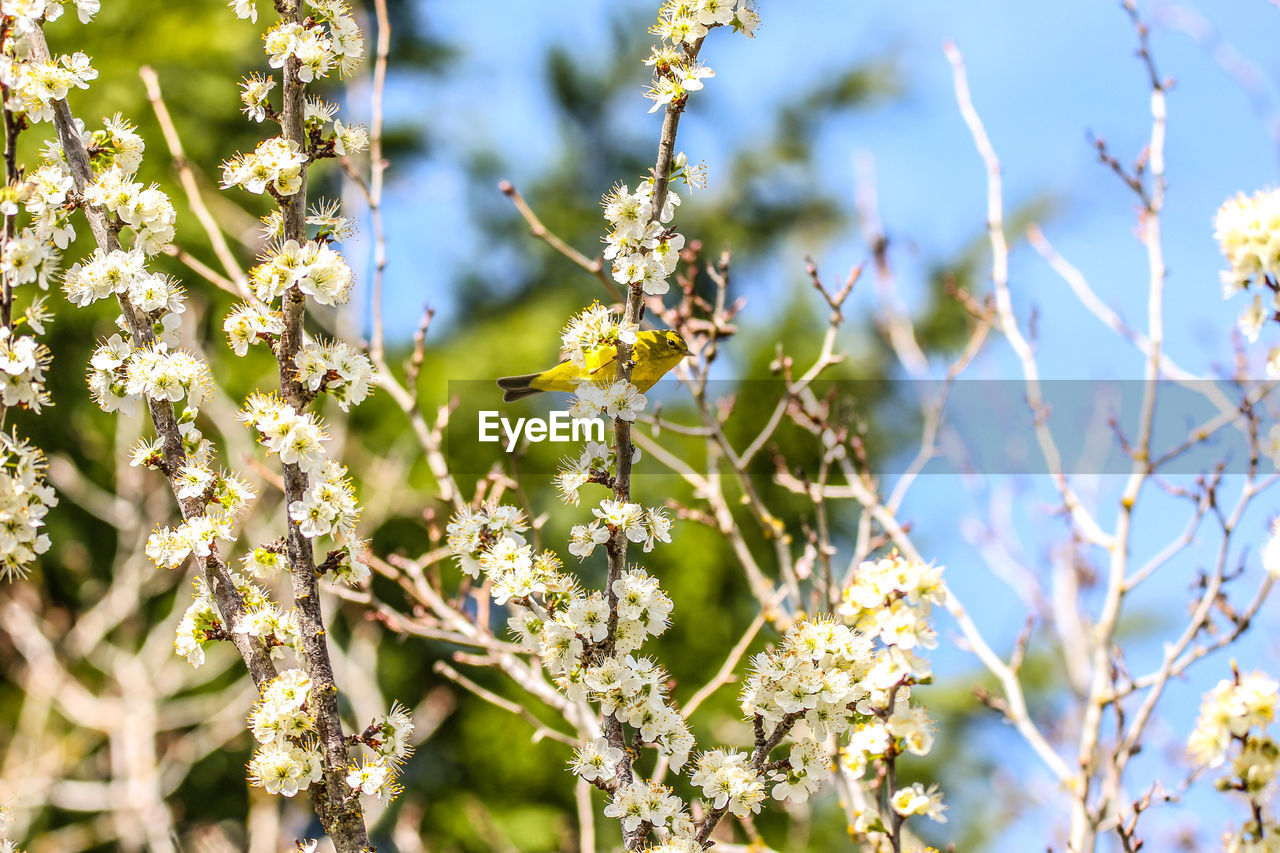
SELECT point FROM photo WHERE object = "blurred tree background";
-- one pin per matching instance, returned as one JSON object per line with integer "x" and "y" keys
{"x": 479, "y": 783}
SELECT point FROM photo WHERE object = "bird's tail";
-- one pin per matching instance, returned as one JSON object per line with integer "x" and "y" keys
{"x": 518, "y": 387}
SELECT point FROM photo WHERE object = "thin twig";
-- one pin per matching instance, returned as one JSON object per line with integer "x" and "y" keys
{"x": 541, "y": 730}
{"x": 235, "y": 273}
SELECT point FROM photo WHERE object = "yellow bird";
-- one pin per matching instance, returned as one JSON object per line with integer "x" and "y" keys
{"x": 654, "y": 354}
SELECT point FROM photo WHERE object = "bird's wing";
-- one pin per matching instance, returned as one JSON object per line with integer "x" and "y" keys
{"x": 601, "y": 363}
{"x": 559, "y": 378}
{"x": 603, "y": 371}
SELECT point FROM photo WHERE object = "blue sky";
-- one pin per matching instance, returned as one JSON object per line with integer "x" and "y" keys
{"x": 1043, "y": 75}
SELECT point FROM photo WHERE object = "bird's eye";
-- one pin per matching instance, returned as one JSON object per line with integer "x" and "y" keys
{"x": 671, "y": 343}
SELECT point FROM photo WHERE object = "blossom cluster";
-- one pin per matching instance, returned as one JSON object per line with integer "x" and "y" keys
{"x": 25, "y": 499}
{"x": 30, "y": 253}
{"x": 644, "y": 803}
{"x": 335, "y": 368}
{"x": 328, "y": 507}
{"x": 296, "y": 437}
{"x": 728, "y": 781}
{"x": 1229, "y": 714}
{"x": 118, "y": 273}
{"x": 491, "y": 541}
{"x": 6, "y": 817}
{"x": 684, "y": 23}
{"x": 121, "y": 375}
{"x": 23, "y": 361}
{"x": 148, "y": 210}
{"x": 276, "y": 163}
{"x": 30, "y": 256}
{"x": 314, "y": 267}
{"x": 288, "y": 757}
{"x": 1233, "y": 722}
{"x": 569, "y": 627}
{"x": 329, "y": 38}
{"x": 248, "y": 323}
{"x": 124, "y": 371}
{"x": 224, "y": 499}
{"x": 272, "y": 624}
{"x": 889, "y": 602}
{"x": 27, "y": 14}
{"x": 640, "y": 525}
{"x": 691, "y": 20}
{"x": 631, "y": 690}
{"x": 1244, "y": 228}
{"x": 644, "y": 251}
{"x": 389, "y": 735}
{"x": 816, "y": 675}
{"x": 515, "y": 572}
{"x": 44, "y": 198}
{"x": 617, "y": 399}
{"x": 470, "y": 532}
{"x": 593, "y": 327}
{"x": 594, "y": 463}
{"x": 203, "y": 622}
{"x": 36, "y": 86}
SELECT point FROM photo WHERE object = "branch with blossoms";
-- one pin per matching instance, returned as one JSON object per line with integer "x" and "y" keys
{"x": 825, "y": 681}
{"x": 37, "y": 206}
{"x": 138, "y": 364}
{"x": 1233, "y": 725}
{"x": 29, "y": 255}
{"x": 302, "y": 743}
{"x": 298, "y": 721}
{"x": 1093, "y": 795}
{"x": 644, "y": 255}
